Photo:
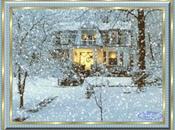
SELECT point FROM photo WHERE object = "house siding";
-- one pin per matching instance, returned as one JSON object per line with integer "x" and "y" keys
{"x": 112, "y": 40}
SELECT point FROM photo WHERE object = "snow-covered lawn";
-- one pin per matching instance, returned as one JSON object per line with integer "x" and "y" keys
{"x": 111, "y": 81}
{"x": 71, "y": 104}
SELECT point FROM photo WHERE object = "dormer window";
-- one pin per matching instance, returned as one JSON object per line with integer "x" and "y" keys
{"x": 88, "y": 37}
{"x": 122, "y": 38}
{"x": 105, "y": 37}
{"x": 114, "y": 37}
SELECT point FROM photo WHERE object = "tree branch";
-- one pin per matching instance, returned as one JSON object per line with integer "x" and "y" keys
{"x": 130, "y": 12}
{"x": 81, "y": 15}
{"x": 27, "y": 33}
{"x": 97, "y": 101}
{"x": 115, "y": 20}
{"x": 45, "y": 37}
{"x": 150, "y": 11}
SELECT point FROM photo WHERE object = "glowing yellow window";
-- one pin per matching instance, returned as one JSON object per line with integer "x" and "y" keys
{"x": 84, "y": 57}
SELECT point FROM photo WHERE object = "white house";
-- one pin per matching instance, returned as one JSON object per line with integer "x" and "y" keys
{"x": 88, "y": 43}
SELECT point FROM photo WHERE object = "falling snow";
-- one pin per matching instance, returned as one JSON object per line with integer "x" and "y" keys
{"x": 84, "y": 65}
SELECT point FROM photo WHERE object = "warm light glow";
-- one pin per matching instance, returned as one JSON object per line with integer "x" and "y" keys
{"x": 112, "y": 55}
{"x": 85, "y": 37}
{"x": 85, "y": 56}
{"x": 95, "y": 36}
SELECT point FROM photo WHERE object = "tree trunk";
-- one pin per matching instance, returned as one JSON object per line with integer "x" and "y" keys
{"x": 21, "y": 101}
{"x": 101, "y": 113}
{"x": 151, "y": 50}
{"x": 21, "y": 85}
{"x": 141, "y": 44}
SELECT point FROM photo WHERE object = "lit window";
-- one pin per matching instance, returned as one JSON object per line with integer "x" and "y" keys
{"x": 88, "y": 37}
{"x": 112, "y": 58}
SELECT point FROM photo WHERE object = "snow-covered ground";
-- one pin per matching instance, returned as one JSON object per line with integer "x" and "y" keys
{"x": 111, "y": 81}
{"x": 71, "y": 104}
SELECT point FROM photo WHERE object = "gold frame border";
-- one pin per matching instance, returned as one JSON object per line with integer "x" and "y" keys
{"x": 172, "y": 86}
{"x": 2, "y": 53}
{"x": 89, "y": 1}
{"x": 171, "y": 65}
{"x": 94, "y": 8}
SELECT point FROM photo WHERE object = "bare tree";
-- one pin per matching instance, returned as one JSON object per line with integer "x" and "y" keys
{"x": 140, "y": 15}
{"x": 150, "y": 46}
{"x": 96, "y": 92}
{"x": 22, "y": 73}
{"x": 21, "y": 39}
{"x": 99, "y": 102}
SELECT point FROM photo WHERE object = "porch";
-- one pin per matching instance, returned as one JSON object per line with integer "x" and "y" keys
{"x": 110, "y": 57}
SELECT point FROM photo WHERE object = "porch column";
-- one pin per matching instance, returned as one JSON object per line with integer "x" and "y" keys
{"x": 107, "y": 57}
{"x": 118, "y": 56}
{"x": 71, "y": 54}
{"x": 110, "y": 37}
{"x": 126, "y": 57}
{"x": 94, "y": 56}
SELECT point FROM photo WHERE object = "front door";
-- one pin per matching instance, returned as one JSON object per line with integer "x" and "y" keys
{"x": 83, "y": 56}
{"x": 86, "y": 58}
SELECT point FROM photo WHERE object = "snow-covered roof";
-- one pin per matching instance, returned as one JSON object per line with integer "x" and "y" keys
{"x": 118, "y": 25}
{"x": 73, "y": 26}
{"x": 68, "y": 26}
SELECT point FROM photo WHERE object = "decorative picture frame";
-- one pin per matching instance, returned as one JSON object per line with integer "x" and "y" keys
{"x": 11, "y": 8}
